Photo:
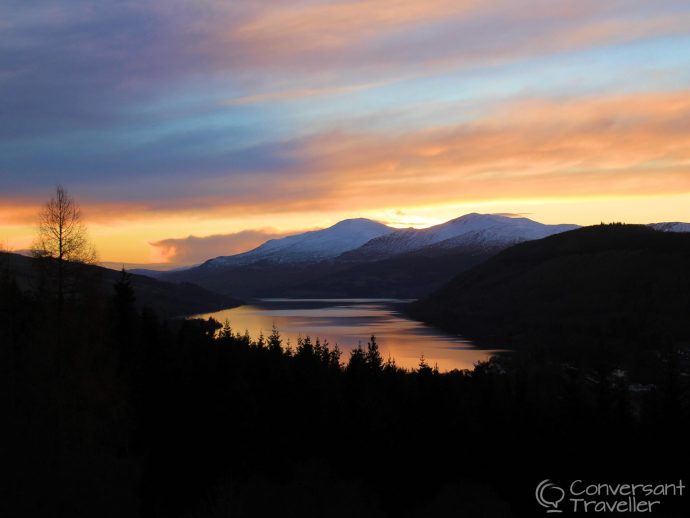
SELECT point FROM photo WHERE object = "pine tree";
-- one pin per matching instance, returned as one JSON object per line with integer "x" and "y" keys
{"x": 358, "y": 360}
{"x": 424, "y": 369}
{"x": 275, "y": 343}
{"x": 124, "y": 293}
{"x": 373, "y": 356}
{"x": 226, "y": 331}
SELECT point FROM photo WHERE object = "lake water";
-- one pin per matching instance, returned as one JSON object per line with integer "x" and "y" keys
{"x": 347, "y": 322}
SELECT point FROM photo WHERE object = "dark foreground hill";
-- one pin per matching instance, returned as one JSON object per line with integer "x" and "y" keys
{"x": 612, "y": 286}
{"x": 109, "y": 411}
{"x": 167, "y": 298}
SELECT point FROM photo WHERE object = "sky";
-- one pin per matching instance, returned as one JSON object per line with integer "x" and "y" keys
{"x": 190, "y": 129}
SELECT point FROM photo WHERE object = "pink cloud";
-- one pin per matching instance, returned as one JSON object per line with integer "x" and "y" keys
{"x": 401, "y": 37}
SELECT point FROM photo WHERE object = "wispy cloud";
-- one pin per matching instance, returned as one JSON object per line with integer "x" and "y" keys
{"x": 301, "y": 93}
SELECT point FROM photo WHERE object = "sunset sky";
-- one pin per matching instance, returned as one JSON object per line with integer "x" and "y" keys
{"x": 238, "y": 121}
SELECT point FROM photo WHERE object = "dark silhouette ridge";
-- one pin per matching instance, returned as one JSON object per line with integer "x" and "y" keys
{"x": 625, "y": 286}
{"x": 170, "y": 299}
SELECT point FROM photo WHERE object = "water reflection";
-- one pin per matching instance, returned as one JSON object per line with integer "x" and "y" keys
{"x": 347, "y": 322}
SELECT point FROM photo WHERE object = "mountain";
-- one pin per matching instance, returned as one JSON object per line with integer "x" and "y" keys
{"x": 361, "y": 257}
{"x": 477, "y": 230}
{"x": 409, "y": 263}
{"x": 168, "y": 299}
{"x": 317, "y": 245}
{"x": 273, "y": 268}
{"x": 671, "y": 227}
{"x": 617, "y": 287}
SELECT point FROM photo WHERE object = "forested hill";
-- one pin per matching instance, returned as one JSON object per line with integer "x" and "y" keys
{"x": 618, "y": 285}
{"x": 167, "y": 298}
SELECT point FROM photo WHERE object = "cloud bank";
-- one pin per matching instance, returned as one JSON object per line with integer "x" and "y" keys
{"x": 192, "y": 250}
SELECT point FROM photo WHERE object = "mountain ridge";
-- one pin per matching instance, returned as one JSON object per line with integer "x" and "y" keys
{"x": 336, "y": 258}
{"x": 477, "y": 229}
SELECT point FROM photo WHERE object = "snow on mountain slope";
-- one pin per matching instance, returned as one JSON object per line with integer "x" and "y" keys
{"x": 311, "y": 246}
{"x": 471, "y": 229}
{"x": 674, "y": 226}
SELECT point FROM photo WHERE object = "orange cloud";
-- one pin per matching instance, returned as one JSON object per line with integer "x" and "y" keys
{"x": 15, "y": 212}
{"x": 24, "y": 211}
{"x": 627, "y": 144}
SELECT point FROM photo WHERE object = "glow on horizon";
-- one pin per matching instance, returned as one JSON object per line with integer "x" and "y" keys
{"x": 131, "y": 241}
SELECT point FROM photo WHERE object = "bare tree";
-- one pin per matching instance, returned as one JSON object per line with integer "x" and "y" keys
{"x": 62, "y": 235}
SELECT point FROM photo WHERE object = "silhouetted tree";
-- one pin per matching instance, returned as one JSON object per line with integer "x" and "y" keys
{"x": 390, "y": 366}
{"x": 334, "y": 357}
{"x": 373, "y": 356}
{"x": 124, "y": 293}
{"x": 275, "y": 343}
{"x": 358, "y": 361}
{"x": 62, "y": 236}
{"x": 226, "y": 331}
{"x": 305, "y": 348}
{"x": 423, "y": 369}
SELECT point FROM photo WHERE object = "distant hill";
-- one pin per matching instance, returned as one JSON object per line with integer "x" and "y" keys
{"x": 620, "y": 286}
{"x": 361, "y": 257}
{"x": 674, "y": 226}
{"x": 135, "y": 267}
{"x": 168, "y": 299}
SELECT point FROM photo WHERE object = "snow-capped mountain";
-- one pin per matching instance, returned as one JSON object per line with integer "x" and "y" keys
{"x": 360, "y": 257}
{"x": 316, "y": 245}
{"x": 674, "y": 226}
{"x": 471, "y": 229}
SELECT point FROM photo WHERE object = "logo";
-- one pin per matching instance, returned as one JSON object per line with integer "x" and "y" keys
{"x": 605, "y": 497}
{"x": 549, "y": 495}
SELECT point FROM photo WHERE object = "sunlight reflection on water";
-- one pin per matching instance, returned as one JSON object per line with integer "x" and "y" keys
{"x": 347, "y": 322}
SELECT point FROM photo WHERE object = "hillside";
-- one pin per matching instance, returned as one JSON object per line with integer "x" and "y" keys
{"x": 167, "y": 298}
{"x": 406, "y": 275}
{"x": 612, "y": 286}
